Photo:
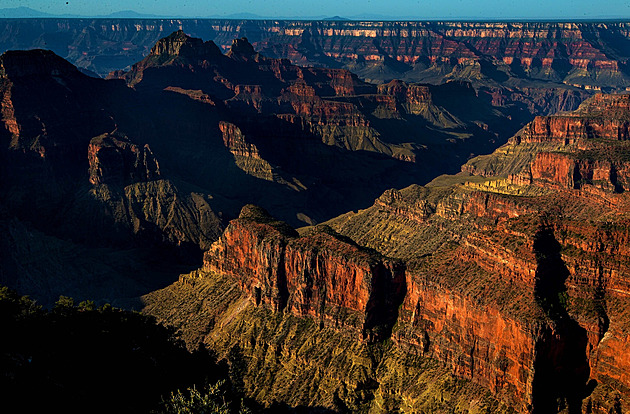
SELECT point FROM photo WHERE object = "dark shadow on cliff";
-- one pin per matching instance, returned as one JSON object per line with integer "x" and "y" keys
{"x": 390, "y": 288}
{"x": 561, "y": 366}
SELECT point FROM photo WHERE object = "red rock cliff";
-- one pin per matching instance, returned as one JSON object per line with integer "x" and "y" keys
{"x": 603, "y": 116}
{"x": 320, "y": 275}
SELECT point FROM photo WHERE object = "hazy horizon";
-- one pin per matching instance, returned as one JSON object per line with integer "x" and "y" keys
{"x": 349, "y": 9}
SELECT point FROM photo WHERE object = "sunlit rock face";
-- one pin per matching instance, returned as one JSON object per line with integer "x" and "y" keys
{"x": 320, "y": 275}
{"x": 512, "y": 274}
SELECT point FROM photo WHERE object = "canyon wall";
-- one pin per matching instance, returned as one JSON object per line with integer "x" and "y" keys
{"x": 589, "y": 55}
{"x": 319, "y": 275}
{"x": 518, "y": 286}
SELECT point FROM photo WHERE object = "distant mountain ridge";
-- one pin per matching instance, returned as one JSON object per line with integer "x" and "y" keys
{"x": 29, "y": 13}
{"x": 22, "y": 12}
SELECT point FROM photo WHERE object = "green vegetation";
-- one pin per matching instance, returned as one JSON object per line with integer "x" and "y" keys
{"x": 605, "y": 150}
{"x": 213, "y": 399}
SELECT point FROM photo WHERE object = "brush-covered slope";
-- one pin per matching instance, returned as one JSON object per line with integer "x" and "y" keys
{"x": 545, "y": 216}
{"x": 511, "y": 276}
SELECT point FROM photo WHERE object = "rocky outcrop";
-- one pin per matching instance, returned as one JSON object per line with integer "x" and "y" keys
{"x": 584, "y": 150}
{"x": 184, "y": 46}
{"x": 20, "y": 64}
{"x": 603, "y": 117}
{"x": 570, "y": 172}
{"x": 115, "y": 160}
{"x": 568, "y": 130}
{"x": 241, "y": 50}
{"x": 234, "y": 139}
{"x": 320, "y": 275}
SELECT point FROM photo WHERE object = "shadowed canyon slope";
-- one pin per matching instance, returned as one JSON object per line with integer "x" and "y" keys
{"x": 106, "y": 173}
{"x": 509, "y": 277}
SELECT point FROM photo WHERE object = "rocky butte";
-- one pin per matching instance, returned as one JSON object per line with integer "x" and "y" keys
{"x": 504, "y": 287}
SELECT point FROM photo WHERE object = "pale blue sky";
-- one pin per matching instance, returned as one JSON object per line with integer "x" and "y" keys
{"x": 400, "y": 9}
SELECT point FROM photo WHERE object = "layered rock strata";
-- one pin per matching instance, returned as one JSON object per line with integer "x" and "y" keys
{"x": 320, "y": 275}
{"x": 585, "y": 54}
{"x": 520, "y": 286}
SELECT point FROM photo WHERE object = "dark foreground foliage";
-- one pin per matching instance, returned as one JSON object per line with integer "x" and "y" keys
{"x": 78, "y": 358}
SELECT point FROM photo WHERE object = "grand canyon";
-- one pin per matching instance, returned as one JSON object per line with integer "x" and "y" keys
{"x": 323, "y": 216}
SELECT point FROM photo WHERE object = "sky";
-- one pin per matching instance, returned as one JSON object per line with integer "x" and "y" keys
{"x": 398, "y": 9}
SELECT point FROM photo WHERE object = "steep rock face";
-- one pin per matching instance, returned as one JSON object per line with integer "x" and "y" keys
{"x": 326, "y": 276}
{"x": 571, "y": 129}
{"x": 606, "y": 175}
{"x": 477, "y": 343}
{"x": 319, "y": 275}
{"x": 449, "y": 311}
{"x": 252, "y": 250}
{"x": 234, "y": 139}
{"x": 115, "y": 160}
{"x": 603, "y": 116}
{"x": 412, "y": 97}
